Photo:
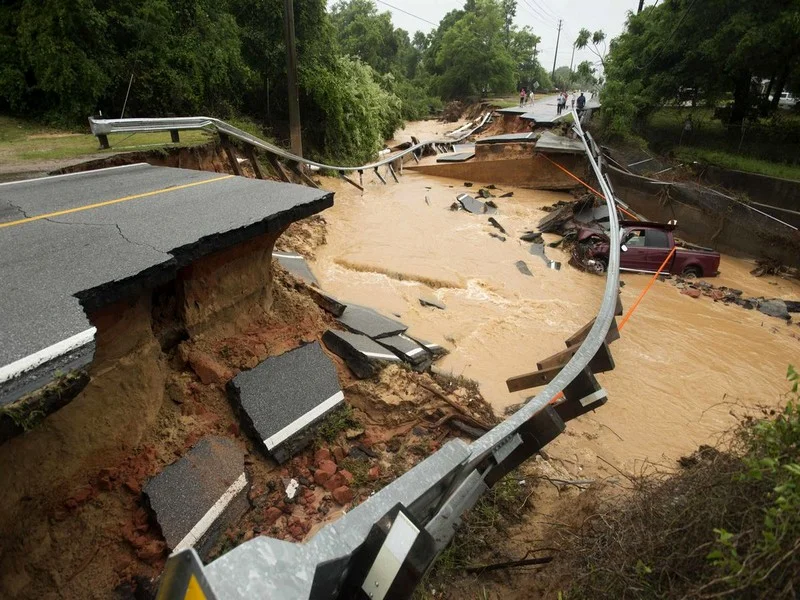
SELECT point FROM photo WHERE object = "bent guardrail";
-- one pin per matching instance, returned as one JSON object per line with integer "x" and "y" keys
{"x": 383, "y": 547}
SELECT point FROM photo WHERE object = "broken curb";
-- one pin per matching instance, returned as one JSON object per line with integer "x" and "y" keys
{"x": 362, "y": 355}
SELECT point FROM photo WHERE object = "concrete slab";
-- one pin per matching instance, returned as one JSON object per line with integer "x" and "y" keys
{"x": 459, "y": 157}
{"x": 282, "y": 397}
{"x": 464, "y": 147}
{"x": 296, "y": 265}
{"x": 78, "y": 242}
{"x": 406, "y": 348}
{"x": 506, "y": 138}
{"x": 363, "y": 355}
{"x": 198, "y": 496}
{"x": 474, "y": 206}
{"x": 550, "y": 142}
{"x": 514, "y": 110}
{"x": 432, "y": 302}
{"x": 360, "y": 319}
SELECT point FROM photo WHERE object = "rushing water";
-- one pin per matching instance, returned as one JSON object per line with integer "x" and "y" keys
{"x": 683, "y": 364}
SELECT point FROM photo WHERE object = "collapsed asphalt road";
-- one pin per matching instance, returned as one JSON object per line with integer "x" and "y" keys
{"x": 74, "y": 243}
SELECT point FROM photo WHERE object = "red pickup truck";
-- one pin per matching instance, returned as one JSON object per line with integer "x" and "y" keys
{"x": 644, "y": 247}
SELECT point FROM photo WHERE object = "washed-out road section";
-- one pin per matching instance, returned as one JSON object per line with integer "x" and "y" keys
{"x": 71, "y": 244}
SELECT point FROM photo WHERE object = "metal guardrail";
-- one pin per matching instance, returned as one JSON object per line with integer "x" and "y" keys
{"x": 102, "y": 128}
{"x": 382, "y": 548}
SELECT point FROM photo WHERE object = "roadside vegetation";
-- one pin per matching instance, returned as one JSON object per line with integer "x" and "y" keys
{"x": 359, "y": 76}
{"x": 727, "y": 525}
{"x": 724, "y": 64}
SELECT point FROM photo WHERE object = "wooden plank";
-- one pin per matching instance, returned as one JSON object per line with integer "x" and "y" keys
{"x": 278, "y": 167}
{"x": 600, "y": 363}
{"x": 577, "y": 338}
{"x": 350, "y": 181}
{"x": 298, "y": 170}
{"x": 391, "y": 170}
{"x": 532, "y": 380}
{"x": 231, "y": 154}
{"x": 251, "y": 154}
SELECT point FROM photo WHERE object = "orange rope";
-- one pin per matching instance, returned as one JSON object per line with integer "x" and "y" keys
{"x": 587, "y": 186}
{"x": 645, "y": 290}
{"x": 627, "y": 316}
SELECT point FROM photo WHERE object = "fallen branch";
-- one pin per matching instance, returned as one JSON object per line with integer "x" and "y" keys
{"x": 455, "y": 405}
{"x": 509, "y": 564}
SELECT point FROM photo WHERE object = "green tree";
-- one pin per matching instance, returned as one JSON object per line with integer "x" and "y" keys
{"x": 592, "y": 41}
{"x": 472, "y": 57}
{"x": 509, "y": 12}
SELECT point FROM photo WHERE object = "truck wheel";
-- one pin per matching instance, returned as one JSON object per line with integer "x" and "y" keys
{"x": 692, "y": 272}
{"x": 598, "y": 267}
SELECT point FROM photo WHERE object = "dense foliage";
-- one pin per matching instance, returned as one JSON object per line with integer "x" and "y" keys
{"x": 358, "y": 75}
{"x": 714, "y": 51}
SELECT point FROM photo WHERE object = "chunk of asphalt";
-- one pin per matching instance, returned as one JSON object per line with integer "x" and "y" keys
{"x": 435, "y": 350}
{"x": 485, "y": 194}
{"x": 282, "y": 397}
{"x": 362, "y": 355}
{"x": 499, "y": 237}
{"x": 531, "y": 236}
{"x": 507, "y": 195}
{"x": 325, "y": 301}
{"x": 296, "y": 265}
{"x": 523, "y": 268}
{"x": 538, "y": 250}
{"x": 198, "y": 496}
{"x": 494, "y": 223}
{"x": 474, "y": 206}
{"x": 406, "y": 348}
{"x": 431, "y": 302}
{"x": 467, "y": 184}
{"x": 774, "y": 308}
{"x": 360, "y": 319}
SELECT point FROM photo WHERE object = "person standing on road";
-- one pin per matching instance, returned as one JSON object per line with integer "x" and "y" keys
{"x": 572, "y": 105}
{"x": 522, "y": 96}
{"x": 530, "y": 96}
{"x": 581, "y": 103}
{"x": 560, "y": 103}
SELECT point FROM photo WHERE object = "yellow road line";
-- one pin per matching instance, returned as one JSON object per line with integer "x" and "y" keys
{"x": 109, "y": 202}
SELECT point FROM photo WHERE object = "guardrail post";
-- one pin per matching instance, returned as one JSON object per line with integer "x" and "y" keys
{"x": 175, "y": 135}
{"x": 231, "y": 154}
{"x": 251, "y": 154}
{"x": 103, "y": 138}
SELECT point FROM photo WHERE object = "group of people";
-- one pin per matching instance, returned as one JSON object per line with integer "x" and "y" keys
{"x": 525, "y": 96}
{"x": 563, "y": 97}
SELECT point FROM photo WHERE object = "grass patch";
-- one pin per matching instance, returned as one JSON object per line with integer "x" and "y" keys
{"x": 727, "y": 160}
{"x": 337, "y": 423}
{"x": 482, "y": 537}
{"x": 23, "y": 141}
{"x": 768, "y": 146}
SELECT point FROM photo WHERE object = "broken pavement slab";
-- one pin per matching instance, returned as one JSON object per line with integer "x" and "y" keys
{"x": 296, "y": 265}
{"x": 538, "y": 250}
{"x": 198, "y": 496}
{"x": 406, "y": 348}
{"x": 523, "y": 268}
{"x": 435, "y": 349}
{"x": 432, "y": 302}
{"x": 474, "y": 206}
{"x": 360, "y": 319}
{"x": 361, "y": 354}
{"x": 284, "y": 395}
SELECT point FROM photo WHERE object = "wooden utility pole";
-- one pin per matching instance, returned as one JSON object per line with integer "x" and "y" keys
{"x": 291, "y": 76}
{"x": 558, "y": 37}
{"x": 641, "y": 6}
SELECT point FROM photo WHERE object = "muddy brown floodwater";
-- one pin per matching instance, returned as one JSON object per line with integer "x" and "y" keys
{"x": 684, "y": 365}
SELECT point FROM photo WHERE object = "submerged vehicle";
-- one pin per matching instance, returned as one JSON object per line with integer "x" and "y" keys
{"x": 644, "y": 248}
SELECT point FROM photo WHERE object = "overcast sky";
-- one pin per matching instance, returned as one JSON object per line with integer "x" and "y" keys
{"x": 541, "y": 15}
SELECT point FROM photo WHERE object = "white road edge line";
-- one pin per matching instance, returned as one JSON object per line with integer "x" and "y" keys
{"x": 281, "y": 255}
{"x": 296, "y": 425}
{"x": 207, "y": 520}
{"x": 21, "y": 366}
{"x": 75, "y": 173}
{"x": 379, "y": 355}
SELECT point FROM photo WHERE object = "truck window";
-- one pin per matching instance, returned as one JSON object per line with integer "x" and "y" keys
{"x": 656, "y": 238}
{"x": 634, "y": 238}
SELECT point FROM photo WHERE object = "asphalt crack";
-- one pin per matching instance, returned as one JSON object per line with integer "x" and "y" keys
{"x": 116, "y": 226}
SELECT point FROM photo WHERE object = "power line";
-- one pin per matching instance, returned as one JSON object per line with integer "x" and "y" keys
{"x": 545, "y": 20}
{"x": 544, "y": 8}
{"x": 408, "y": 13}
